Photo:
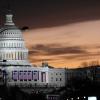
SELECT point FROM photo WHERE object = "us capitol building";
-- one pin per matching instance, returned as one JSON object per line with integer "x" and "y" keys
{"x": 15, "y": 65}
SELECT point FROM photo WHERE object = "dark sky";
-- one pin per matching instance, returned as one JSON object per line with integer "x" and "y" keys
{"x": 64, "y": 31}
{"x": 48, "y": 13}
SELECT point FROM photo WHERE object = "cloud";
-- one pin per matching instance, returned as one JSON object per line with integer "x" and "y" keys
{"x": 65, "y": 52}
{"x": 63, "y": 55}
{"x": 65, "y": 45}
{"x": 81, "y": 57}
{"x": 56, "y": 49}
{"x": 35, "y": 60}
{"x": 33, "y": 52}
{"x": 57, "y": 14}
{"x": 24, "y": 28}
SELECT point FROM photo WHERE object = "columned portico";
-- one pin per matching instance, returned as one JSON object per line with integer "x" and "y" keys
{"x": 12, "y": 47}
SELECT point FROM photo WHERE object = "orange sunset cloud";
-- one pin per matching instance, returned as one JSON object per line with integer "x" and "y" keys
{"x": 64, "y": 46}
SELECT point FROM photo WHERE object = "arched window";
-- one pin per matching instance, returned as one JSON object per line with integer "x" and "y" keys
{"x": 7, "y": 56}
{"x": 9, "y": 45}
{"x": 23, "y": 55}
{"x": 1, "y": 45}
{"x": 19, "y": 55}
{"x": 12, "y": 56}
{"x": 0, "y": 56}
{"x": 15, "y": 45}
{"x": 3, "y": 56}
{"x": 15, "y": 55}
{"x": 12, "y": 45}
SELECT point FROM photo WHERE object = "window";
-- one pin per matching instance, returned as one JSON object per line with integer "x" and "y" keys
{"x": 21, "y": 75}
{"x": 35, "y": 79}
{"x": 56, "y": 79}
{"x": 34, "y": 73}
{"x": 60, "y": 79}
{"x": 51, "y": 78}
{"x": 25, "y": 75}
{"x": 29, "y": 75}
{"x": 15, "y": 75}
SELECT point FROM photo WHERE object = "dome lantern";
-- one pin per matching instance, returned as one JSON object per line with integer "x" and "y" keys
{"x": 9, "y": 19}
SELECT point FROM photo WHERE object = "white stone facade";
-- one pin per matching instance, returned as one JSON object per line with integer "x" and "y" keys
{"x": 35, "y": 76}
{"x": 14, "y": 61}
{"x": 56, "y": 77}
{"x": 12, "y": 47}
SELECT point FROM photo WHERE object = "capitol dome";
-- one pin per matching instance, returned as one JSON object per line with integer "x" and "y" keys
{"x": 12, "y": 47}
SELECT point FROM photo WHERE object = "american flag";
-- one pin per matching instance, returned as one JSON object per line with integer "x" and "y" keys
{"x": 29, "y": 75}
{"x": 25, "y": 75}
{"x": 35, "y": 75}
{"x": 21, "y": 74}
{"x": 15, "y": 75}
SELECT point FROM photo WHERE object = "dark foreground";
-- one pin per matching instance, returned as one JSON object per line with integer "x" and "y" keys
{"x": 15, "y": 93}
{"x": 76, "y": 91}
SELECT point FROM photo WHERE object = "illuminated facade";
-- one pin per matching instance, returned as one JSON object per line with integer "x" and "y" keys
{"x": 14, "y": 61}
{"x": 12, "y": 48}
